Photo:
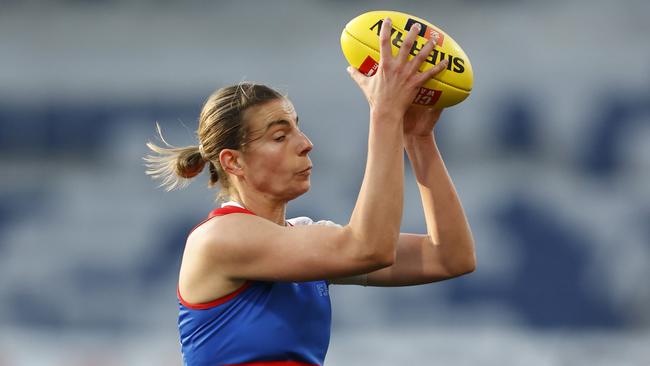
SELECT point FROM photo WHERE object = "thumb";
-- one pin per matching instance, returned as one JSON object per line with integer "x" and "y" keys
{"x": 357, "y": 76}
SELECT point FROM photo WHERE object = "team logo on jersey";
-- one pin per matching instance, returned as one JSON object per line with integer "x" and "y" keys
{"x": 322, "y": 289}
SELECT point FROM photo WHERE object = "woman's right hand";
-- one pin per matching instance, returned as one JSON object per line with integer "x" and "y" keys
{"x": 397, "y": 80}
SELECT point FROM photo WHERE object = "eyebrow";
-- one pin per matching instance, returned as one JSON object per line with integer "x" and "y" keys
{"x": 279, "y": 122}
{"x": 263, "y": 130}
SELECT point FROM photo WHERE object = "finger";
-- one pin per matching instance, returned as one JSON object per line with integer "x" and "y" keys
{"x": 384, "y": 40}
{"x": 424, "y": 53}
{"x": 438, "y": 68}
{"x": 408, "y": 42}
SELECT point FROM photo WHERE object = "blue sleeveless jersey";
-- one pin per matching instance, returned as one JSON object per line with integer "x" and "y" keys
{"x": 261, "y": 323}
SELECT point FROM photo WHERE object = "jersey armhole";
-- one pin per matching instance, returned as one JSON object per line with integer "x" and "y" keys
{"x": 213, "y": 303}
{"x": 229, "y": 209}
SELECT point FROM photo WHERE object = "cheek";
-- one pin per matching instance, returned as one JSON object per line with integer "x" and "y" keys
{"x": 269, "y": 167}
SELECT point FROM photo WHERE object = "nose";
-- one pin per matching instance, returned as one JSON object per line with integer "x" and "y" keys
{"x": 305, "y": 145}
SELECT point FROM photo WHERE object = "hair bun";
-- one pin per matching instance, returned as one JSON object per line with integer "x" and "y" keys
{"x": 190, "y": 164}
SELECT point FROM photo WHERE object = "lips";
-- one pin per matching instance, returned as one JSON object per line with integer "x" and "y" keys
{"x": 305, "y": 171}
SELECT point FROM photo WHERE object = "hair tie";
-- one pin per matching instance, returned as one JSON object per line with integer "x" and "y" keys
{"x": 202, "y": 152}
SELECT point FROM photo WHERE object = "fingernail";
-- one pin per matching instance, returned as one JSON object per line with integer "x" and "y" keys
{"x": 416, "y": 26}
{"x": 388, "y": 21}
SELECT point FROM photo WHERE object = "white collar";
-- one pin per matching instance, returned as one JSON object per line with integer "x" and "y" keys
{"x": 232, "y": 203}
{"x": 237, "y": 204}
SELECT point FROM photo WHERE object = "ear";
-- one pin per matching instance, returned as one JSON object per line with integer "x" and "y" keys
{"x": 230, "y": 161}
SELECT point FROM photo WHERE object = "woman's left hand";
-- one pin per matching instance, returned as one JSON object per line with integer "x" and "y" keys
{"x": 420, "y": 121}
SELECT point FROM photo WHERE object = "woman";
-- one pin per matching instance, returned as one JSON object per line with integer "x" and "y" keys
{"x": 253, "y": 286}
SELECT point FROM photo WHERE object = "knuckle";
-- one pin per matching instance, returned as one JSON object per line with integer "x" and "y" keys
{"x": 422, "y": 55}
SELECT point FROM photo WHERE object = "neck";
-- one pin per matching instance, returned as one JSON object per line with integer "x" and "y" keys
{"x": 265, "y": 207}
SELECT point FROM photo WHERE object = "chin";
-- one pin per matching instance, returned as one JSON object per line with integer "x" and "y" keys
{"x": 299, "y": 192}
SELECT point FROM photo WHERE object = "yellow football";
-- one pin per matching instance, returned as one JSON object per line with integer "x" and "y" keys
{"x": 360, "y": 44}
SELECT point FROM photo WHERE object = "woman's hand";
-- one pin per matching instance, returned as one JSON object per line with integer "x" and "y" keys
{"x": 397, "y": 81}
{"x": 420, "y": 121}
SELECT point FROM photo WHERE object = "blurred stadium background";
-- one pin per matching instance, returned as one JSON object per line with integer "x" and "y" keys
{"x": 550, "y": 156}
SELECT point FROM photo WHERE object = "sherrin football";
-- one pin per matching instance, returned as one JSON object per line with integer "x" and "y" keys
{"x": 360, "y": 44}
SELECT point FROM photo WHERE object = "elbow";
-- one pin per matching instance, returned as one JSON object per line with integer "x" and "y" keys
{"x": 378, "y": 257}
{"x": 374, "y": 253}
{"x": 368, "y": 262}
{"x": 471, "y": 259}
{"x": 468, "y": 265}
{"x": 463, "y": 266}
{"x": 385, "y": 252}
{"x": 384, "y": 259}
{"x": 460, "y": 270}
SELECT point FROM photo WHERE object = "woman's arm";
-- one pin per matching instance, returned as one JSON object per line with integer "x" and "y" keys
{"x": 448, "y": 248}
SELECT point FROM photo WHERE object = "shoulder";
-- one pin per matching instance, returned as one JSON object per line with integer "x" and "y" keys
{"x": 223, "y": 229}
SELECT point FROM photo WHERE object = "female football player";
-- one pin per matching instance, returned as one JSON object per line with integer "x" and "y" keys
{"x": 253, "y": 286}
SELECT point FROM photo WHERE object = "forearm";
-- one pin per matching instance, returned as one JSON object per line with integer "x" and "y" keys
{"x": 446, "y": 223}
{"x": 377, "y": 214}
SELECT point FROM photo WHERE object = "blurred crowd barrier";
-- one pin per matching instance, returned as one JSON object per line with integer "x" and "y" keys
{"x": 550, "y": 157}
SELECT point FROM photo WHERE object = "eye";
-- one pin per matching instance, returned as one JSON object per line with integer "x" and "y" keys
{"x": 279, "y": 138}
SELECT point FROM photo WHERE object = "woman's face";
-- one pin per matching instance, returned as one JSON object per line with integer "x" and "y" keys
{"x": 275, "y": 160}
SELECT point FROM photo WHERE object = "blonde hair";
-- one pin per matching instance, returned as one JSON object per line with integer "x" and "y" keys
{"x": 221, "y": 126}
